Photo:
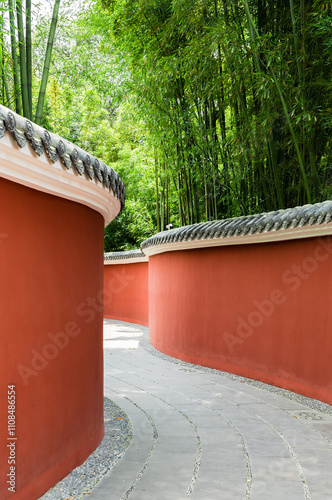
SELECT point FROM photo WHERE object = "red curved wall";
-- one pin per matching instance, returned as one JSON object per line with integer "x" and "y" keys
{"x": 51, "y": 279}
{"x": 261, "y": 311}
{"x": 126, "y": 292}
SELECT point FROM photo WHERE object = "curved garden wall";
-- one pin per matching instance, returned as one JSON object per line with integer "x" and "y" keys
{"x": 126, "y": 281}
{"x": 54, "y": 202}
{"x": 250, "y": 295}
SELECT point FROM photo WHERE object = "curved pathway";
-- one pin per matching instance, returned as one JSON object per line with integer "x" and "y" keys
{"x": 200, "y": 434}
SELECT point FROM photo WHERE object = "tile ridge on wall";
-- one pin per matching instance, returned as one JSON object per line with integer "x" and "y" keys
{"x": 126, "y": 257}
{"x": 280, "y": 225}
{"x": 17, "y": 133}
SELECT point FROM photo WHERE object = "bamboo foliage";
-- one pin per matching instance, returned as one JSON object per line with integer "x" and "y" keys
{"x": 235, "y": 97}
{"x": 19, "y": 61}
{"x": 240, "y": 91}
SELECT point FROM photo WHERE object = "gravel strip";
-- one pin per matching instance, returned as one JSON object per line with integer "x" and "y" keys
{"x": 310, "y": 403}
{"x": 118, "y": 436}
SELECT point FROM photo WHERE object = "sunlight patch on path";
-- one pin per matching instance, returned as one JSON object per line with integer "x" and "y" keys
{"x": 117, "y": 336}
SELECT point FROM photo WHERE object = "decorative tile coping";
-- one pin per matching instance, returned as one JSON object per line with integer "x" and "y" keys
{"x": 291, "y": 223}
{"x": 75, "y": 175}
{"x": 129, "y": 257}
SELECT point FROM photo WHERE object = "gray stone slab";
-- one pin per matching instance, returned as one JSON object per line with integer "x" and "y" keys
{"x": 263, "y": 489}
{"x": 209, "y": 421}
{"x": 296, "y": 430}
{"x": 121, "y": 477}
{"x": 317, "y": 470}
{"x": 324, "y": 428}
{"x": 221, "y": 476}
{"x": 177, "y": 445}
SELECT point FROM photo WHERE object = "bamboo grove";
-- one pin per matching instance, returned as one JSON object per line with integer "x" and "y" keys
{"x": 237, "y": 98}
{"x": 16, "y": 59}
{"x": 207, "y": 108}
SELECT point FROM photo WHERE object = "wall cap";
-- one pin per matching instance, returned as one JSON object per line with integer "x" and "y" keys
{"x": 36, "y": 158}
{"x": 129, "y": 257}
{"x": 281, "y": 225}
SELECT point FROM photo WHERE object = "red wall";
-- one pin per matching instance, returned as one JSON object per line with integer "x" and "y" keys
{"x": 261, "y": 311}
{"x": 126, "y": 294}
{"x": 51, "y": 275}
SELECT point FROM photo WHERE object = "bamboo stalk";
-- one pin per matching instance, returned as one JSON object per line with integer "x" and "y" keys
{"x": 28, "y": 50}
{"x": 47, "y": 61}
{"x": 23, "y": 66}
{"x": 18, "y": 105}
{"x": 296, "y": 42}
{"x": 5, "y": 90}
{"x": 253, "y": 29}
{"x": 157, "y": 189}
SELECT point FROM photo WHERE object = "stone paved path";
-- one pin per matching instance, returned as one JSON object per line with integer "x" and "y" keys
{"x": 201, "y": 435}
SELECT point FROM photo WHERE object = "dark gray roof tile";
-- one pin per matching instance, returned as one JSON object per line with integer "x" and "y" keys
{"x": 241, "y": 225}
{"x": 323, "y": 212}
{"x": 310, "y": 212}
{"x": 255, "y": 223}
{"x": 205, "y": 229}
{"x": 220, "y": 226}
{"x": 180, "y": 235}
{"x": 236, "y": 226}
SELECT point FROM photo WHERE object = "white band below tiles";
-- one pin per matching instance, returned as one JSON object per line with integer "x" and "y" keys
{"x": 134, "y": 260}
{"x": 264, "y": 237}
{"x": 38, "y": 172}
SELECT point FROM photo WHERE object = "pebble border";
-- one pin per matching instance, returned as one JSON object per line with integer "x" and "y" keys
{"x": 118, "y": 436}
